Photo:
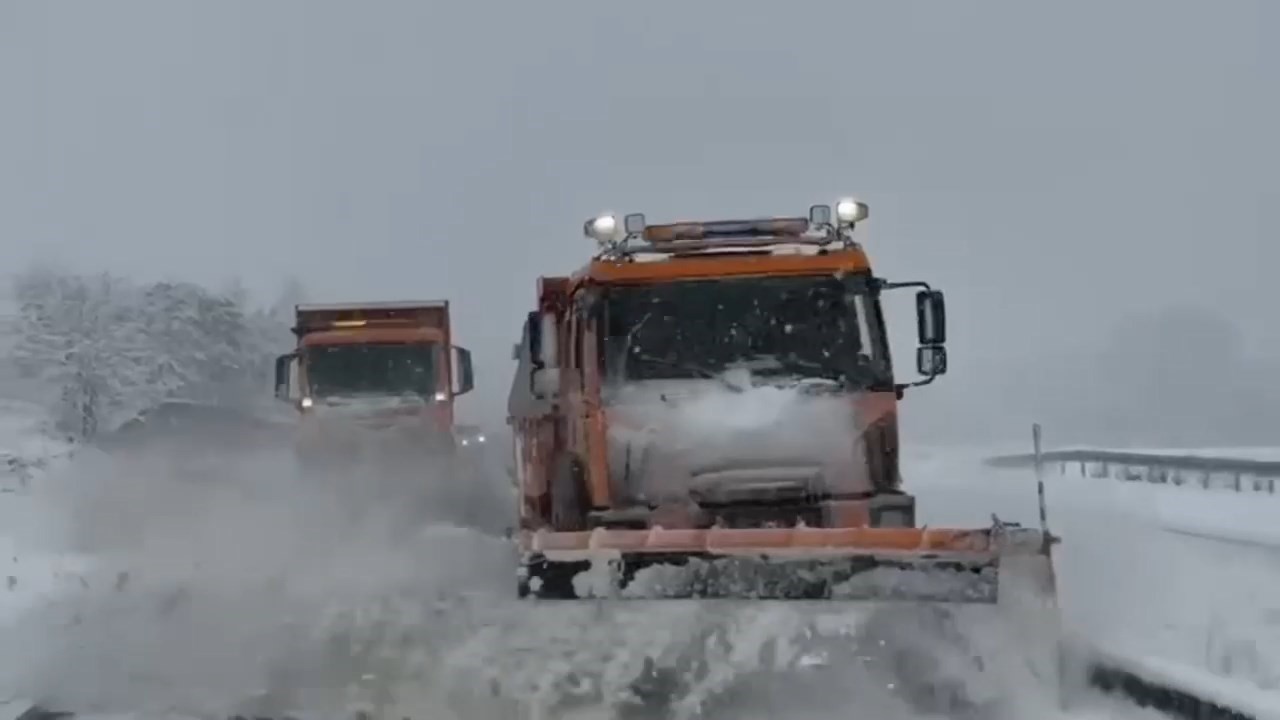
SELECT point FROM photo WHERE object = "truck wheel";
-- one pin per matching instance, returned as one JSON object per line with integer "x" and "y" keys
{"x": 568, "y": 496}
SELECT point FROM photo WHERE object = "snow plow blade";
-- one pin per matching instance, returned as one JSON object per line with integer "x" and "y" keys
{"x": 911, "y": 564}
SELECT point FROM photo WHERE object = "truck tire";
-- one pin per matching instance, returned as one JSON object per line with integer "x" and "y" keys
{"x": 569, "y": 504}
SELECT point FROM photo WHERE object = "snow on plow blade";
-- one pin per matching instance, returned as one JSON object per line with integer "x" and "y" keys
{"x": 914, "y": 564}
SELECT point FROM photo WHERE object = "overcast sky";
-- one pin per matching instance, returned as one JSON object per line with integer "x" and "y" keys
{"x": 1050, "y": 165}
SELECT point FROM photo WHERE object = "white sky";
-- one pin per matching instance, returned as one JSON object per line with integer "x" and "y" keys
{"x": 1051, "y": 165}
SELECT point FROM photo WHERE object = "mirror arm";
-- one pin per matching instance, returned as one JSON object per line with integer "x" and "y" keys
{"x": 900, "y": 389}
{"x": 880, "y": 284}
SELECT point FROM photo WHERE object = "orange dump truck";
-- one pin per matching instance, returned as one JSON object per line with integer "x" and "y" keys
{"x": 709, "y": 409}
{"x": 379, "y": 364}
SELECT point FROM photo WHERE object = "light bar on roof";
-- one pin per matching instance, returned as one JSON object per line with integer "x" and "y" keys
{"x": 357, "y": 323}
{"x": 688, "y": 231}
{"x": 822, "y": 226}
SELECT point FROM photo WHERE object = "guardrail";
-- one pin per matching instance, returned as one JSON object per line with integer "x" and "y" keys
{"x": 1236, "y": 474}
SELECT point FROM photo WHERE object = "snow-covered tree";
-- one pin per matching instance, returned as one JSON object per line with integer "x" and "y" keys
{"x": 107, "y": 348}
{"x": 198, "y": 340}
{"x": 84, "y": 337}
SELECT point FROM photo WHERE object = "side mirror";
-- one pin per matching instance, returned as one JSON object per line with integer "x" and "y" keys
{"x": 464, "y": 379}
{"x": 284, "y": 364}
{"x": 931, "y": 360}
{"x": 931, "y": 317}
{"x": 545, "y": 378}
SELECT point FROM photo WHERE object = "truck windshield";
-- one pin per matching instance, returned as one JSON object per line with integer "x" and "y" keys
{"x": 805, "y": 327}
{"x": 372, "y": 369}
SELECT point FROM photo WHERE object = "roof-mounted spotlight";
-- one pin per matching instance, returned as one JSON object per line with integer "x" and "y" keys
{"x": 850, "y": 212}
{"x": 819, "y": 215}
{"x": 602, "y": 228}
{"x": 634, "y": 224}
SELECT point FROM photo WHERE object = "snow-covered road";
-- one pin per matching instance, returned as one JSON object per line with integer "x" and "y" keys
{"x": 226, "y": 586}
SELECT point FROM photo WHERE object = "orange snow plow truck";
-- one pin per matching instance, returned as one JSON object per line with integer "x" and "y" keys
{"x": 382, "y": 364}
{"x": 709, "y": 410}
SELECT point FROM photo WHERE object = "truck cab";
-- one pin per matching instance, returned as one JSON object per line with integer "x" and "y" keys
{"x": 716, "y": 374}
{"x": 379, "y": 365}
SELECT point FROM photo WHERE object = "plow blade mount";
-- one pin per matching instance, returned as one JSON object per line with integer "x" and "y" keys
{"x": 913, "y": 564}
